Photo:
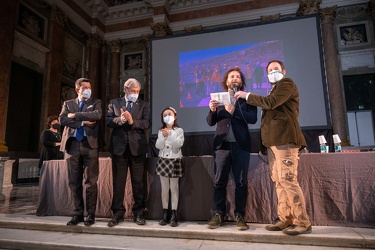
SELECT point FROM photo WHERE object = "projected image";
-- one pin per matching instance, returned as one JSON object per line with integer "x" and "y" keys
{"x": 201, "y": 72}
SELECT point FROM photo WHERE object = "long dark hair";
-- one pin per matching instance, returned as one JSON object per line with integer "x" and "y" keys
{"x": 175, "y": 125}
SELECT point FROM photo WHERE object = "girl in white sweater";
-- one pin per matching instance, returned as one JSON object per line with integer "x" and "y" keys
{"x": 169, "y": 166}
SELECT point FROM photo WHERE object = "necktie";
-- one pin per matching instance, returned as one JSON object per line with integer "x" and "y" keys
{"x": 80, "y": 132}
{"x": 129, "y": 106}
{"x": 81, "y": 104}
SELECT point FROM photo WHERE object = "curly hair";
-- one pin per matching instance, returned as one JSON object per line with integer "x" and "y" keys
{"x": 225, "y": 78}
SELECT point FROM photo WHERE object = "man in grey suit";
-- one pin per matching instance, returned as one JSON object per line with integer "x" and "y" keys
{"x": 129, "y": 117}
{"x": 80, "y": 117}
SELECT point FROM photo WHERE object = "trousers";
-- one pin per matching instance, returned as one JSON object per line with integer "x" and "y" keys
{"x": 283, "y": 164}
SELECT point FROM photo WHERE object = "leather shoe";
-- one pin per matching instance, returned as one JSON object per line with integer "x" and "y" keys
{"x": 139, "y": 219}
{"x": 115, "y": 220}
{"x": 75, "y": 220}
{"x": 90, "y": 220}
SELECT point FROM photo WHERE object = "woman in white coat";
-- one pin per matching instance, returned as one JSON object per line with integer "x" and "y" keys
{"x": 169, "y": 166}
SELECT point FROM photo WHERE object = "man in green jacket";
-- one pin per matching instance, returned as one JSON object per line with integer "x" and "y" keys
{"x": 281, "y": 135}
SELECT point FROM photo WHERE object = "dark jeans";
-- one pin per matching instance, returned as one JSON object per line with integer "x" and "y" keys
{"x": 83, "y": 163}
{"x": 120, "y": 166}
{"x": 230, "y": 158}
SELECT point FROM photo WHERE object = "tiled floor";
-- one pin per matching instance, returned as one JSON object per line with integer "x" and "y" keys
{"x": 21, "y": 199}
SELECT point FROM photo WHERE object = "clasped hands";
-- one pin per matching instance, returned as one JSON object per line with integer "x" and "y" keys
{"x": 126, "y": 116}
{"x": 165, "y": 132}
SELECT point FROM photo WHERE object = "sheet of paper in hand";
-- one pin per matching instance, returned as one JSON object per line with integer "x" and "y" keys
{"x": 221, "y": 97}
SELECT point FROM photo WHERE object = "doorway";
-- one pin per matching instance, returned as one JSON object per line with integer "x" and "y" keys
{"x": 24, "y": 109}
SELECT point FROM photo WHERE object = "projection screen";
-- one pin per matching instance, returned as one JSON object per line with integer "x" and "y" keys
{"x": 185, "y": 69}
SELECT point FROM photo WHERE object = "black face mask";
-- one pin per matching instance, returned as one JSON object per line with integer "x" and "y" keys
{"x": 56, "y": 126}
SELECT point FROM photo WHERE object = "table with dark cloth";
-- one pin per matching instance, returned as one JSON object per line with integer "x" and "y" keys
{"x": 338, "y": 188}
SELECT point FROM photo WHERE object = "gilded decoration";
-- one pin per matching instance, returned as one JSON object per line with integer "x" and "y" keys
{"x": 58, "y": 15}
{"x": 115, "y": 46}
{"x": 194, "y": 29}
{"x": 308, "y": 7}
{"x": 270, "y": 18}
{"x": 161, "y": 29}
{"x": 328, "y": 15}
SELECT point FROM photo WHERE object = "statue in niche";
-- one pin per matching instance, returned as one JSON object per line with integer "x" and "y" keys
{"x": 352, "y": 35}
{"x": 31, "y": 23}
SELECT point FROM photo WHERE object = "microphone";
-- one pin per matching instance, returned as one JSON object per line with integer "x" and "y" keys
{"x": 234, "y": 87}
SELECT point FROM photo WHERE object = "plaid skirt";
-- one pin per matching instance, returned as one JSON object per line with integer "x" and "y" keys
{"x": 171, "y": 168}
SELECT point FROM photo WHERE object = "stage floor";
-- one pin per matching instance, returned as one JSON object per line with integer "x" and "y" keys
{"x": 19, "y": 226}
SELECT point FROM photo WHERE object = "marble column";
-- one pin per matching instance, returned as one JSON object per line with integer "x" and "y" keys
{"x": 94, "y": 44}
{"x": 55, "y": 63}
{"x": 335, "y": 89}
{"x": 8, "y": 15}
{"x": 114, "y": 87}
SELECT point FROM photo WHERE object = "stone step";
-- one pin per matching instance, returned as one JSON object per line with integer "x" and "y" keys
{"x": 325, "y": 236}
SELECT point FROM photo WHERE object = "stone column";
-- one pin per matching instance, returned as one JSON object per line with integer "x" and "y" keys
{"x": 94, "y": 44}
{"x": 114, "y": 85}
{"x": 55, "y": 64}
{"x": 2, "y": 163}
{"x": 8, "y": 15}
{"x": 371, "y": 8}
{"x": 335, "y": 90}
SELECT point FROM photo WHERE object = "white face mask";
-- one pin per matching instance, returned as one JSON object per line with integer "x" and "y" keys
{"x": 275, "y": 76}
{"x": 86, "y": 93}
{"x": 132, "y": 97}
{"x": 168, "y": 119}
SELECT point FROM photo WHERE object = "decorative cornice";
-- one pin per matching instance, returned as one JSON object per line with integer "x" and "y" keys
{"x": 328, "y": 15}
{"x": 142, "y": 10}
{"x": 352, "y": 12}
{"x": 129, "y": 12}
{"x": 178, "y": 6}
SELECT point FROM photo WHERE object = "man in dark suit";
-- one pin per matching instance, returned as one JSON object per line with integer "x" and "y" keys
{"x": 232, "y": 148}
{"x": 130, "y": 118}
{"x": 80, "y": 117}
{"x": 281, "y": 134}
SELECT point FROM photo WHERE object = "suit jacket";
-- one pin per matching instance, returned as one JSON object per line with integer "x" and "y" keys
{"x": 239, "y": 122}
{"x": 92, "y": 111}
{"x": 280, "y": 124}
{"x": 122, "y": 133}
